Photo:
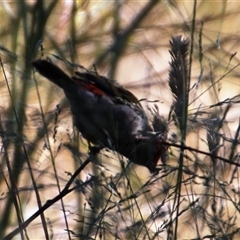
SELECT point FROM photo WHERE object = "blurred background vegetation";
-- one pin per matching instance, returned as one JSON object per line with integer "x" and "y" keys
{"x": 128, "y": 41}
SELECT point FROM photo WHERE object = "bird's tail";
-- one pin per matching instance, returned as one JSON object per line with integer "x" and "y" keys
{"x": 53, "y": 73}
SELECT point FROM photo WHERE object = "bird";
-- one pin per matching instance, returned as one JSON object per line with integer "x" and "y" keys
{"x": 108, "y": 115}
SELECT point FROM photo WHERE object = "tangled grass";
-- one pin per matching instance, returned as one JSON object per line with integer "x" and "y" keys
{"x": 51, "y": 188}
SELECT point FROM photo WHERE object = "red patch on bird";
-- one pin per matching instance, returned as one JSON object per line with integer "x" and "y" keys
{"x": 91, "y": 88}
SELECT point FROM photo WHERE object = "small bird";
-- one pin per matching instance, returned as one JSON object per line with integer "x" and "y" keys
{"x": 108, "y": 115}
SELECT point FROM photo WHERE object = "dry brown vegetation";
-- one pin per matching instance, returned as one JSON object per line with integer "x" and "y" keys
{"x": 48, "y": 188}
